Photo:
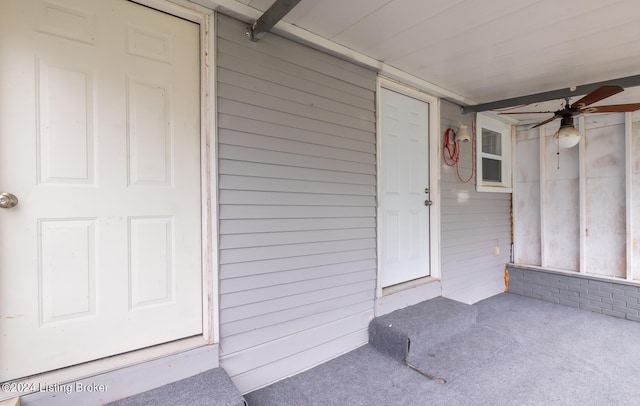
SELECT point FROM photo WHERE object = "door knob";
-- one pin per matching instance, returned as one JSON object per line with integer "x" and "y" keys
{"x": 7, "y": 200}
{"x": 428, "y": 202}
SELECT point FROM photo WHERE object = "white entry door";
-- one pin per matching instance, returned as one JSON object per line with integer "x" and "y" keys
{"x": 100, "y": 143}
{"x": 404, "y": 187}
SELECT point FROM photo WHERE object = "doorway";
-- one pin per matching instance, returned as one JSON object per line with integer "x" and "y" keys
{"x": 407, "y": 190}
{"x": 100, "y": 144}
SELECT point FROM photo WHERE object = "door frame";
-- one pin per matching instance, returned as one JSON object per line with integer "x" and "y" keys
{"x": 434, "y": 183}
{"x": 205, "y": 18}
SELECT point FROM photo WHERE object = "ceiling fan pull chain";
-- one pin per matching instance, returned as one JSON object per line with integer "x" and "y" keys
{"x": 558, "y": 152}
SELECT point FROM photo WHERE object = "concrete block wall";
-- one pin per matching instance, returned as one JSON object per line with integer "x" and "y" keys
{"x": 610, "y": 297}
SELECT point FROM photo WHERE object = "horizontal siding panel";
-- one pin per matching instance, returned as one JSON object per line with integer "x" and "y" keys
{"x": 230, "y": 137}
{"x": 227, "y": 60}
{"x": 269, "y": 352}
{"x": 233, "y": 182}
{"x": 250, "y": 154}
{"x": 461, "y": 237}
{"x": 477, "y": 267}
{"x": 263, "y": 114}
{"x": 466, "y": 196}
{"x": 273, "y": 292}
{"x": 474, "y": 264}
{"x": 461, "y": 193}
{"x": 340, "y": 64}
{"x": 242, "y": 226}
{"x": 487, "y": 273}
{"x": 295, "y": 199}
{"x": 472, "y": 249}
{"x": 280, "y": 278}
{"x": 293, "y": 237}
{"x": 450, "y": 207}
{"x": 288, "y": 315}
{"x": 259, "y": 170}
{"x": 471, "y": 224}
{"x": 274, "y": 103}
{"x": 304, "y": 57}
{"x": 249, "y": 125}
{"x": 299, "y": 56}
{"x": 298, "y": 362}
{"x": 230, "y": 256}
{"x": 482, "y": 277}
{"x": 475, "y": 221}
{"x": 286, "y": 93}
{"x": 238, "y": 211}
{"x": 295, "y": 300}
{"x": 273, "y": 332}
{"x": 465, "y": 209}
{"x": 297, "y": 204}
{"x": 238, "y": 270}
{"x": 249, "y": 55}
{"x": 254, "y": 56}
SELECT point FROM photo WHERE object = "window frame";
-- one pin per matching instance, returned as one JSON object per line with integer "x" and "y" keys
{"x": 507, "y": 143}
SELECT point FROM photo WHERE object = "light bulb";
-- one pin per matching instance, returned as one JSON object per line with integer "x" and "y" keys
{"x": 568, "y": 136}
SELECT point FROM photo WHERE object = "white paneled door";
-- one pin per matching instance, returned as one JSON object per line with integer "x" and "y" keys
{"x": 100, "y": 143}
{"x": 404, "y": 186}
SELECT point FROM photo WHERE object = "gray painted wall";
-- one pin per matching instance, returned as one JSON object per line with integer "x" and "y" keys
{"x": 472, "y": 224}
{"x": 296, "y": 131}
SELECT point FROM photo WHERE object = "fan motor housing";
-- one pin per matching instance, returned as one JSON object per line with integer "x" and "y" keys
{"x": 567, "y": 120}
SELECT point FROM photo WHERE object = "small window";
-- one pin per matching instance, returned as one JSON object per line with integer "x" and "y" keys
{"x": 494, "y": 155}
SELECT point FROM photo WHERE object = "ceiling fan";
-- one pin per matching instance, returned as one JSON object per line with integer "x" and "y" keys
{"x": 568, "y": 135}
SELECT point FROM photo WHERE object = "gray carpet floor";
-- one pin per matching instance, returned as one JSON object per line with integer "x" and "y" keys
{"x": 514, "y": 351}
{"x": 209, "y": 388}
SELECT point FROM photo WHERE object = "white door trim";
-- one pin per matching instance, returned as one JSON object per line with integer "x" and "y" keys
{"x": 205, "y": 18}
{"x": 434, "y": 173}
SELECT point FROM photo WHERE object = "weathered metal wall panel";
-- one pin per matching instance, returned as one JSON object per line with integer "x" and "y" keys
{"x": 526, "y": 198}
{"x": 561, "y": 239}
{"x": 604, "y": 200}
{"x": 605, "y": 227}
{"x": 635, "y": 193}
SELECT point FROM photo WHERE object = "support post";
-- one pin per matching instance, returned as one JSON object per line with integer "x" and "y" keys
{"x": 582, "y": 191}
{"x": 628, "y": 171}
{"x": 543, "y": 180}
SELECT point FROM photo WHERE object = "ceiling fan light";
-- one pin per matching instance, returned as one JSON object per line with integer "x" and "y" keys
{"x": 568, "y": 136}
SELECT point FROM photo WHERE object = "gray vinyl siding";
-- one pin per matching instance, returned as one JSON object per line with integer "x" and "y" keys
{"x": 297, "y": 165}
{"x": 472, "y": 222}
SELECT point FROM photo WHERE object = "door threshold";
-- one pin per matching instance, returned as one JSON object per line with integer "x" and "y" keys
{"x": 390, "y": 290}
{"x": 406, "y": 294}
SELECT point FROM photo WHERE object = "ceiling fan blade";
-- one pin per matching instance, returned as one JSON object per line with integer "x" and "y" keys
{"x": 544, "y": 122}
{"x": 599, "y": 94}
{"x": 527, "y": 112}
{"x": 614, "y": 108}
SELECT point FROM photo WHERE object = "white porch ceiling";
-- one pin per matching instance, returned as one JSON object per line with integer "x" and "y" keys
{"x": 486, "y": 50}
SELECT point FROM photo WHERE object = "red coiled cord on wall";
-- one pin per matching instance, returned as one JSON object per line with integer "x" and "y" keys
{"x": 451, "y": 152}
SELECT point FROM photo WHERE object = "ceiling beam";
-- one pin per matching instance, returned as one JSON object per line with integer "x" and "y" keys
{"x": 629, "y": 81}
{"x": 263, "y": 25}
